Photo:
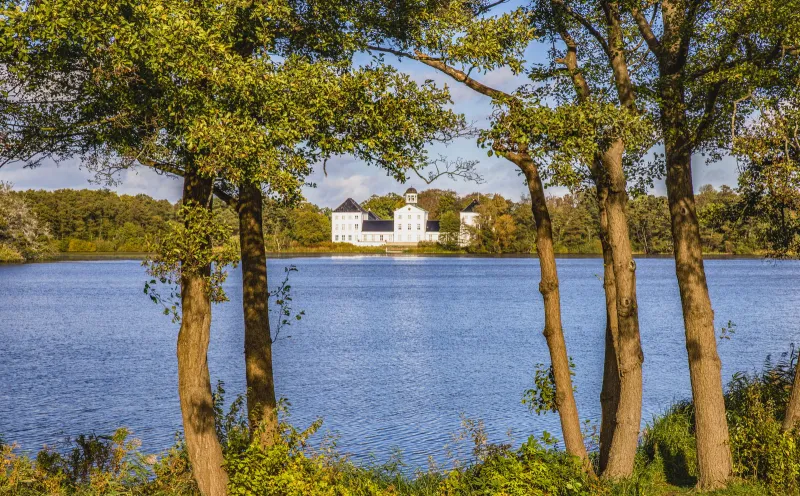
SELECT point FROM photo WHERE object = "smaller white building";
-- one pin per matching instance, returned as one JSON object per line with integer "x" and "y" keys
{"x": 351, "y": 223}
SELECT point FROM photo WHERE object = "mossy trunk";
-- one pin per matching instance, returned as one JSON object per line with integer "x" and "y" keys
{"x": 194, "y": 382}
{"x": 553, "y": 330}
{"x": 261, "y": 401}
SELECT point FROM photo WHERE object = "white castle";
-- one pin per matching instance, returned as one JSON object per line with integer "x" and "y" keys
{"x": 409, "y": 224}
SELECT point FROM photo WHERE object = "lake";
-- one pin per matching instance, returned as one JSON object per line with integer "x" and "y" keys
{"x": 391, "y": 351}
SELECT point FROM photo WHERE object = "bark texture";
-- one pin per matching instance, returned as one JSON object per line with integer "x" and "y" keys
{"x": 194, "y": 382}
{"x": 620, "y": 436}
{"x": 627, "y": 342}
{"x": 672, "y": 53}
{"x": 793, "y": 408}
{"x": 261, "y": 400}
{"x": 553, "y": 330}
{"x": 713, "y": 450}
{"x": 609, "y": 394}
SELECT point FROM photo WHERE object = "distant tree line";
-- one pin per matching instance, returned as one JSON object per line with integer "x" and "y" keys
{"x": 103, "y": 221}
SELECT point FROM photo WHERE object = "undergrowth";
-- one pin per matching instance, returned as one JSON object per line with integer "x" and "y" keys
{"x": 766, "y": 460}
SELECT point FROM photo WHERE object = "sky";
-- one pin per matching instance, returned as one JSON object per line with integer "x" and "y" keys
{"x": 348, "y": 177}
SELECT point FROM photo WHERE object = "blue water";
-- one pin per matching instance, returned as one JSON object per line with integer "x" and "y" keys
{"x": 391, "y": 352}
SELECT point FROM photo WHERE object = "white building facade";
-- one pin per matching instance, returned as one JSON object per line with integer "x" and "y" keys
{"x": 350, "y": 223}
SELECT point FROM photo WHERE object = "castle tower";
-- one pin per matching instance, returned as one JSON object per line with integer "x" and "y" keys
{"x": 411, "y": 196}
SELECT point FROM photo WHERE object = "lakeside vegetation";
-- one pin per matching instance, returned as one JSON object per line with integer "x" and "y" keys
{"x": 44, "y": 223}
{"x": 242, "y": 100}
{"x": 304, "y": 462}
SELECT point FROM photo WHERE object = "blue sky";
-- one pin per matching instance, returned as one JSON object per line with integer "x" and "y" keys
{"x": 348, "y": 177}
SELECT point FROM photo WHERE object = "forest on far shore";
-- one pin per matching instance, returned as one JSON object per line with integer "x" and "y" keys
{"x": 37, "y": 223}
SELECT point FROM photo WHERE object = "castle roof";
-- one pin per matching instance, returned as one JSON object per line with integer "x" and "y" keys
{"x": 472, "y": 207}
{"x": 411, "y": 191}
{"x": 377, "y": 226}
{"x": 350, "y": 205}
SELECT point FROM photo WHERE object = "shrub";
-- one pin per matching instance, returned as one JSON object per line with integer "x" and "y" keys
{"x": 80, "y": 245}
{"x": 9, "y": 254}
{"x": 670, "y": 442}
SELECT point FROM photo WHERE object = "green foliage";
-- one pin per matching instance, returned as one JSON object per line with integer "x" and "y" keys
{"x": 537, "y": 468}
{"x": 22, "y": 234}
{"x": 200, "y": 241}
{"x": 85, "y": 220}
{"x": 283, "y": 304}
{"x": 449, "y": 230}
{"x": 764, "y": 456}
{"x": 309, "y": 226}
{"x": 87, "y": 465}
{"x": 670, "y": 442}
{"x": 541, "y": 398}
{"x": 384, "y": 206}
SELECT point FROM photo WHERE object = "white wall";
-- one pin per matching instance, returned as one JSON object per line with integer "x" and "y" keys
{"x": 346, "y": 227}
{"x": 410, "y": 224}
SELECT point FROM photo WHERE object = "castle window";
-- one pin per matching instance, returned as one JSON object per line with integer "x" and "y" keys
{"x": 381, "y": 237}
{"x": 350, "y": 238}
{"x": 418, "y": 227}
{"x": 356, "y": 227}
{"x": 399, "y": 227}
{"x": 409, "y": 227}
{"x": 337, "y": 237}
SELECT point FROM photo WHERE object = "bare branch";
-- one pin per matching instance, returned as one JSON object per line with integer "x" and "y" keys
{"x": 458, "y": 168}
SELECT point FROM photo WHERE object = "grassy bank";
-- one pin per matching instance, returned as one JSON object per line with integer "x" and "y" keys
{"x": 766, "y": 460}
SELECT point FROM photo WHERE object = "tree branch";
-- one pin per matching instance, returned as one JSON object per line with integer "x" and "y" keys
{"x": 583, "y": 21}
{"x": 646, "y": 29}
{"x": 465, "y": 169}
{"x": 454, "y": 73}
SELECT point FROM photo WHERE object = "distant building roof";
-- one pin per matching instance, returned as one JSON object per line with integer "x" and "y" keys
{"x": 377, "y": 226}
{"x": 350, "y": 205}
{"x": 432, "y": 226}
{"x": 372, "y": 216}
{"x": 471, "y": 208}
{"x": 410, "y": 190}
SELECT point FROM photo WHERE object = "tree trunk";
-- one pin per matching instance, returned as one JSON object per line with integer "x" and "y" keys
{"x": 793, "y": 408}
{"x": 553, "y": 331}
{"x": 261, "y": 402}
{"x": 713, "y": 450}
{"x": 627, "y": 343}
{"x": 194, "y": 382}
{"x": 609, "y": 395}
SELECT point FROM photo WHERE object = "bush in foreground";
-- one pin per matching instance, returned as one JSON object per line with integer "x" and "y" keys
{"x": 766, "y": 460}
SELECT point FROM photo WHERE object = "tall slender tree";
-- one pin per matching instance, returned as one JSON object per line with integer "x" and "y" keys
{"x": 457, "y": 34}
{"x": 706, "y": 61}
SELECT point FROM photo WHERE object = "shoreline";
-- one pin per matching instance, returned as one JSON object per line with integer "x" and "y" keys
{"x": 100, "y": 256}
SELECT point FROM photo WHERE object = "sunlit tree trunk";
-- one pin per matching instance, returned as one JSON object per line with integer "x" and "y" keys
{"x": 627, "y": 342}
{"x": 609, "y": 394}
{"x": 620, "y": 439}
{"x": 553, "y": 330}
{"x": 194, "y": 383}
{"x": 713, "y": 450}
{"x": 793, "y": 408}
{"x": 261, "y": 402}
